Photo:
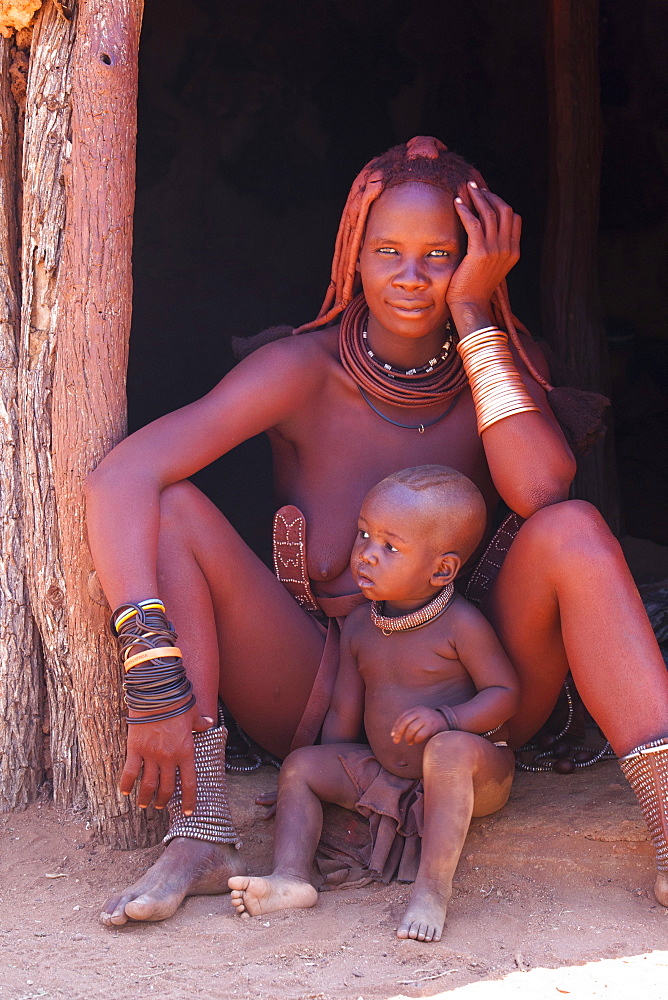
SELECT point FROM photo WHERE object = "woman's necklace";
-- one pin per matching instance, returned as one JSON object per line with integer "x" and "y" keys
{"x": 422, "y": 370}
{"x": 408, "y": 427}
{"x": 426, "y": 386}
{"x": 416, "y": 619}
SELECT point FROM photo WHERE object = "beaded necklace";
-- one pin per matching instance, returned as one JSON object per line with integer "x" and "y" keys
{"x": 417, "y": 387}
{"x": 422, "y": 370}
{"x": 416, "y": 619}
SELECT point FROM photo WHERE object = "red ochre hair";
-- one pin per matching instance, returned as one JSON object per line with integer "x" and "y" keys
{"x": 427, "y": 160}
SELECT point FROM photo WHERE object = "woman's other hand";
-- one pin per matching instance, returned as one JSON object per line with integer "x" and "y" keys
{"x": 157, "y": 749}
{"x": 268, "y": 802}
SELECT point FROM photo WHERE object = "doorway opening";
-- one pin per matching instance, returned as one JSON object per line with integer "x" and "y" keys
{"x": 253, "y": 121}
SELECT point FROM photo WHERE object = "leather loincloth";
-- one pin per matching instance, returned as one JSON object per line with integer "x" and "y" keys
{"x": 394, "y": 808}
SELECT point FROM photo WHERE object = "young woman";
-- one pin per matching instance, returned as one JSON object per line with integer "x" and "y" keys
{"x": 415, "y": 367}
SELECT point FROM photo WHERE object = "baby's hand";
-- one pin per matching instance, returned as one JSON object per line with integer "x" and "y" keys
{"x": 416, "y": 725}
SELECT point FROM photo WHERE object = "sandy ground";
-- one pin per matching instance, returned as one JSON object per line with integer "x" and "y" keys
{"x": 552, "y": 897}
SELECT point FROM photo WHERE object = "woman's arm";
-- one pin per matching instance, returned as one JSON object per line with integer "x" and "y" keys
{"x": 528, "y": 457}
{"x": 529, "y": 460}
{"x": 123, "y": 493}
{"x": 123, "y": 514}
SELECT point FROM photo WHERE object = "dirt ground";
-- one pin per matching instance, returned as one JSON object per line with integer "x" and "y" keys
{"x": 552, "y": 897}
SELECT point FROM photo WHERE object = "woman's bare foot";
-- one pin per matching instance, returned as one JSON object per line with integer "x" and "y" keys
{"x": 661, "y": 888}
{"x": 425, "y": 915}
{"x": 254, "y": 896}
{"x": 187, "y": 867}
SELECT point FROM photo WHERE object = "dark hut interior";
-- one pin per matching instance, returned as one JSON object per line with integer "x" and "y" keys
{"x": 255, "y": 117}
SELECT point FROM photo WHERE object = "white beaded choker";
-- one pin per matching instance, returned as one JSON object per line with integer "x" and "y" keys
{"x": 416, "y": 619}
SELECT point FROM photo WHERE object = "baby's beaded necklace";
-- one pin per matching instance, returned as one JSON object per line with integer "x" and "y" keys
{"x": 416, "y": 619}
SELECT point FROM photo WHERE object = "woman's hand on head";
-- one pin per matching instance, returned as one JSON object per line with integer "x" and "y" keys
{"x": 157, "y": 749}
{"x": 493, "y": 231}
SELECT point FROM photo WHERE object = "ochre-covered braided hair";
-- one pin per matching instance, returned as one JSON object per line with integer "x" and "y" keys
{"x": 427, "y": 160}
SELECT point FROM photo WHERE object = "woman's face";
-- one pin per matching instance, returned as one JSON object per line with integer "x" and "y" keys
{"x": 412, "y": 246}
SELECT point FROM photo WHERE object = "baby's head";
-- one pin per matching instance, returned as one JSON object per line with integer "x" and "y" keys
{"x": 416, "y": 529}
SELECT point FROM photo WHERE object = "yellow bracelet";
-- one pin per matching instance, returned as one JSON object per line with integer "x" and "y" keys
{"x": 151, "y": 654}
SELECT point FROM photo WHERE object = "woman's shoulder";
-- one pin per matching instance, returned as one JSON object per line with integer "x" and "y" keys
{"x": 281, "y": 341}
{"x": 307, "y": 351}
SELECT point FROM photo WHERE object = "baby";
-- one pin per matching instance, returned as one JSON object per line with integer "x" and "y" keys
{"x": 424, "y": 678}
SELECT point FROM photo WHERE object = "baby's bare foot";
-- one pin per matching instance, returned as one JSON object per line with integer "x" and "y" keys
{"x": 425, "y": 915}
{"x": 254, "y": 896}
{"x": 187, "y": 867}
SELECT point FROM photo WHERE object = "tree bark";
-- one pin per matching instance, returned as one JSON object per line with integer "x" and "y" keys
{"x": 47, "y": 128}
{"x": 89, "y": 402}
{"x": 21, "y": 769}
{"x": 77, "y": 291}
{"x": 569, "y": 280}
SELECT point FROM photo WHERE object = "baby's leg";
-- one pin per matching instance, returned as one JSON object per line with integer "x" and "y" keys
{"x": 308, "y": 778}
{"x": 464, "y": 775}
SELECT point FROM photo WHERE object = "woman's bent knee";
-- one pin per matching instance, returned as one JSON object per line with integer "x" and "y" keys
{"x": 175, "y": 501}
{"x": 570, "y": 530}
{"x": 185, "y": 512}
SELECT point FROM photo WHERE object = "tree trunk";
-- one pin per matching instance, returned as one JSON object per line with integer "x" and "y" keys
{"x": 89, "y": 402}
{"x": 21, "y": 768}
{"x": 47, "y": 128}
{"x": 569, "y": 279}
{"x": 77, "y": 286}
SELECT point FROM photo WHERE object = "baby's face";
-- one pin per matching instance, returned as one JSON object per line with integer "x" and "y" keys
{"x": 394, "y": 555}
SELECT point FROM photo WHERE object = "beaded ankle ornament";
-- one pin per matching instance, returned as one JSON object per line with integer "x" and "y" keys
{"x": 211, "y": 819}
{"x": 646, "y": 770}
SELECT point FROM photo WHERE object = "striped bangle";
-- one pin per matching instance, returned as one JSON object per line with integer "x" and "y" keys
{"x": 449, "y": 717}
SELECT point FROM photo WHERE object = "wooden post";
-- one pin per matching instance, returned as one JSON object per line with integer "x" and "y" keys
{"x": 569, "y": 278}
{"x": 21, "y": 768}
{"x": 89, "y": 402}
{"x": 78, "y": 182}
{"x": 47, "y": 126}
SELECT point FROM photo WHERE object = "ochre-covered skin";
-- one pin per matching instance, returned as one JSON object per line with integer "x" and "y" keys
{"x": 564, "y": 597}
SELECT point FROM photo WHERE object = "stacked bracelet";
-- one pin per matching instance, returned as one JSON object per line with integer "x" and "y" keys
{"x": 497, "y": 389}
{"x": 154, "y": 678}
